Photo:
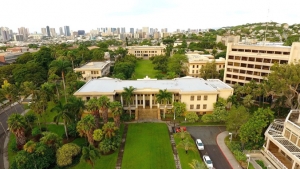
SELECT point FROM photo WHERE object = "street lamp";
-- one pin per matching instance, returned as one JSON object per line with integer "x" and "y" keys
{"x": 230, "y": 138}
{"x": 248, "y": 156}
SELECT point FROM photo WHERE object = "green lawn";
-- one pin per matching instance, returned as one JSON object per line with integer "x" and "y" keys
{"x": 144, "y": 68}
{"x": 148, "y": 146}
{"x": 185, "y": 159}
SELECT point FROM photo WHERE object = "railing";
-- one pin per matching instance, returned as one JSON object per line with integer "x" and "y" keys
{"x": 275, "y": 159}
{"x": 295, "y": 125}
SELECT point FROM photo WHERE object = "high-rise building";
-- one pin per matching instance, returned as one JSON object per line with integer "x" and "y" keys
{"x": 123, "y": 30}
{"x": 81, "y": 32}
{"x": 48, "y": 31}
{"x": 146, "y": 30}
{"x": 4, "y": 34}
{"x": 24, "y": 31}
{"x": 18, "y": 37}
{"x": 67, "y": 31}
{"x": 61, "y": 32}
{"x": 118, "y": 31}
{"x": 44, "y": 32}
{"x": 132, "y": 30}
{"x": 52, "y": 32}
{"x": 151, "y": 31}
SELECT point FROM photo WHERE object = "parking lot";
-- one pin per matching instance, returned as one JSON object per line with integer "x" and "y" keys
{"x": 208, "y": 136}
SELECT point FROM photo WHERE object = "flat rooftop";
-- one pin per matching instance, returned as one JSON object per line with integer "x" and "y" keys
{"x": 184, "y": 84}
{"x": 93, "y": 65}
{"x": 145, "y": 47}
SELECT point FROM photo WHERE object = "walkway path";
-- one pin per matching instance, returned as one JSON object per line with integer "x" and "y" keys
{"x": 122, "y": 147}
{"x": 175, "y": 153}
{"x": 226, "y": 152}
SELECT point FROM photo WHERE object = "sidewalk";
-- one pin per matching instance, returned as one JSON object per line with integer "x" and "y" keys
{"x": 5, "y": 155}
{"x": 226, "y": 152}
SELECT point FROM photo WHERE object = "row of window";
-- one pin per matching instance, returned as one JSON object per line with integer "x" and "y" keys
{"x": 236, "y": 64}
{"x": 261, "y": 51}
{"x": 218, "y": 66}
{"x": 198, "y": 98}
{"x": 145, "y": 54}
{"x": 249, "y": 72}
{"x": 198, "y": 106}
{"x": 254, "y": 59}
{"x": 145, "y": 51}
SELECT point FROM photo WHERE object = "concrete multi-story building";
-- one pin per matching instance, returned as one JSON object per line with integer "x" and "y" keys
{"x": 18, "y": 37}
{"x": 25, "y": 32}
{"x": 5, "y": 34}
{"x": 44, "y": 31}
{"x": 81, "y": 32}
{"x": 196, "y": 62}
{"x": 198, "y": 94}
{"x": 253, "y": 62}
{"x": 131, "y": 30}
{"x": 61, "y": 32}
{"x": 146, "y": 51}
{"x": 67, "y": 31}
{"x": 53, "y": 32}
{"x": 94, "y": 70}
{"x": 145, "y": 30}
{"x": 227, "y": 39}
{"x": 282, "y": 142}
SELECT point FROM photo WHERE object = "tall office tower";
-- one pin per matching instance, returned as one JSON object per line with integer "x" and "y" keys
{"x": 113, "y": 29}
{"x": 61, "y": 32}
{"x": 25, "y": 32}
{"x": 118, "y": 31}
{"x": 165, "y": 30}
{"x": 19, "y": 37}
{"x": 151, "y": 31}
{"x": 132, "y": 30}
{"x": 48, "y": 31}
{"x": 44, "y": 32}
{"x": 81, "y": 32}
{"x": 178, "y": 30}
{"x": 123, "y": 30}
{"x": 108, "y": 30}
{"x": 52, "y": 32}
{"x": 67, "y": 31}
{"x": 146, "y": 30}
{"x": 4, "y": 34}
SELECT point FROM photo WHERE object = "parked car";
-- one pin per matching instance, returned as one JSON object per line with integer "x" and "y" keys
{"x": 179, "y": 129}
{"x": 207, "y": 162}
{"x": 199, "y": 144}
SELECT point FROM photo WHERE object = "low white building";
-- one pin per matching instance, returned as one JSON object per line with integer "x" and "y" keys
{"x": 146, "y": 51}
{"x": 94, "y": 70}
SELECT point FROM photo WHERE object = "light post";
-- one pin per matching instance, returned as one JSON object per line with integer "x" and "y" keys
{"x": 174, "y": 116}
{"x": 248, "y": 157}
{"x": 230, "y": 138}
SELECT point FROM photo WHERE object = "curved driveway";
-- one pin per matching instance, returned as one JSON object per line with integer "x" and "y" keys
{"x": 208, "y": 135}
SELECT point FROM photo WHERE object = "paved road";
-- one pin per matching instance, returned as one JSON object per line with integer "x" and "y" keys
{"x": 3, "y": 119}
{"x": 208, "y": 136}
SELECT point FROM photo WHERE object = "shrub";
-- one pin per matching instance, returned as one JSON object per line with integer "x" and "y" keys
{"x": 72, "y": 132}
{"x": 65, "y": 154}
{"x": 261, "y": 163}
{"x": 35, "y": 131}
{"x": 191, "y": 117}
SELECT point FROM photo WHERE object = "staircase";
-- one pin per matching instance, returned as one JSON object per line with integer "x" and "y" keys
{"x": 147, "y": 114}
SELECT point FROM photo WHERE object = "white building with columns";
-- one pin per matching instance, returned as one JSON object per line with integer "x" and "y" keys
{"x": 282, "y": 142}
{"x": 198, "y": 94}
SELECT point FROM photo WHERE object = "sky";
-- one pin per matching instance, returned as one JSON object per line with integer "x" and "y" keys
{"x": 172, "y": 14}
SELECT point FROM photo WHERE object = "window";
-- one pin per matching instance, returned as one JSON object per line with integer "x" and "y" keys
{"x": 197, "y": 66}
{"x": 198, "y": 106}
{"x": 192, "y": 98}
{"x": 205, "y": 97}
{"x": 192, "y": 71}
{"x": 193, "y": 66}
{"x": 204, "y": 106}
{"x": 198, "y": 97}
{"x": 191, "y": 106}
{"x": 87, "y": 98}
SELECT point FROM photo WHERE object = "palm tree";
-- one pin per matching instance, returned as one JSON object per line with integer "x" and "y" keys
{"x": 29, "y": 146}
{"x": 127, "y": 94}
{"x": 17, "y": 125}
{"x": 51, "y": 139}
{"x": 116, "y": 110}
{"x": 89, "y": 155}
{"x": 164, "y": 97}
{"x": 28, "y": 88}
{"x": 109, "y": 130}
{"x": 182, "y": 134}
{"x": 103, "y": 103}
{"x": 92, "y": 105}
{"x": 76, "y": 106}
{"x": 62, "y": 112}
{"x": 71, "y": 55}
{"x": 85, "y": 127}
{"x": 248, "y": 101}
{"x": 54, "y": 79}
{"x": 187, "y": 145}
{"x": 195, "y": 164}
{"x": 61, "y": 66}
{"x": 7, "y": 90}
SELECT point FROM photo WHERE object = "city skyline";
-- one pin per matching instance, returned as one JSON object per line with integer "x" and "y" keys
{"x": 171, "y": 14}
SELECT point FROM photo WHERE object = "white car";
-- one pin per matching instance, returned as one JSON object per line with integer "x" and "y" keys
{"x": 199, "y": 144}
{"x": 207, "y": 161}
